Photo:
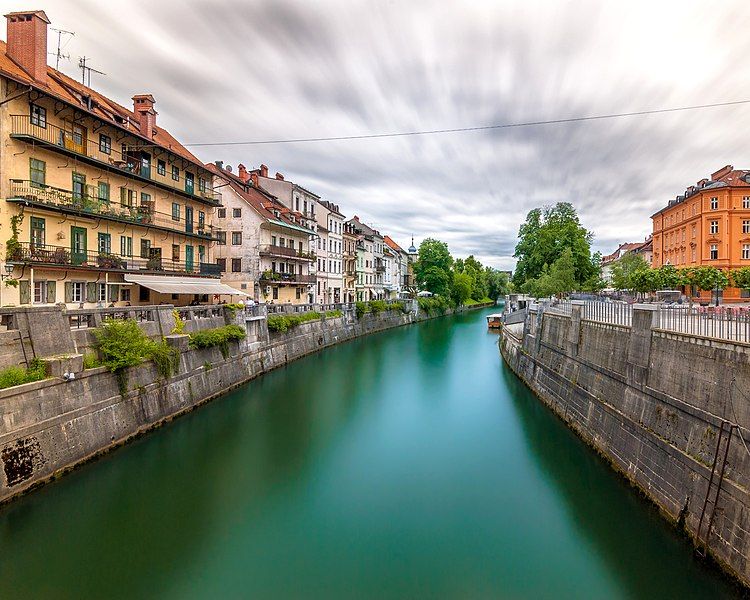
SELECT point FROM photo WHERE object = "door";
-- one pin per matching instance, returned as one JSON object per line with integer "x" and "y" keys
{"x": 75, "y": 139}
{"x": 189, "y": 219}
{"x": 189, "y": 258}
{"x": 78, "y": 247}
{"x": 189, "y": 182}
{"x": 145, "y": 165}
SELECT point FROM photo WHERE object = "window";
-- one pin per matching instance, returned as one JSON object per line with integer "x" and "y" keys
{"x": 236, "y": 213}
{"x": 201, "y": 184}
{"x": 693, "y": 255}
{"x": 101, "y": 292}
{"x": 145, "y": 248}
{"x": 222, "y": 262}
{"x": 746, "y": 226}
{"x": 714, "y": 227}
{"x": 236, "y": 238}
{"x": 273, "y": 240}
{"x": 201, "y": 219}
{"x": 745, "y": 201}
{"x": 236, "y": 265}
{"x": 37, "y": 172}
{"x": 189, "y": 182}
{"x": 221, "y": 213}
{"x": 201, "y": 253}
{"x": 275, "y": 291}
{"x": 127, "y": 197}
{"x": 175, "y": 211}
{"x": 161, "y": 167}
{"x": 103, "y": 189}
{"x": 105, "y": 144}
{"x": 144, "y": 294}
{"x": 693, "y": 232}
{"x": 176, "y": 252}
{"x": 38, "y": 116}
{"x": 104, "y": 243}
{"x": 146, "y": 200}
{"x": 76, "y": 291}
{"x": 714, "y": 252}
{"x": 746, "y": 251}
{"x": 40, "y": 292}
{"x": 175, "y": 173}
{"x": 126, "y": 245}
{"x": 79, "y": 186}
{"x": 125, "y": 295}
{"x": 714, "y": 203}
{"x": 221, "y": 238}
{"x": 38, "y": 237}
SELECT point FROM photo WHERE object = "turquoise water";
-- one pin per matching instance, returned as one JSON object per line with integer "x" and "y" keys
{"x": 407, "y": 464}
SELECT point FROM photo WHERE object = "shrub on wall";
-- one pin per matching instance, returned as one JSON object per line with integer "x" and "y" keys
{"x": 332, "y": 314}
{"x": 286, "y": 322}
{"x": 434, "y": 305}
{"x": 218, "y": 336}
{"x": 17, "y": 375}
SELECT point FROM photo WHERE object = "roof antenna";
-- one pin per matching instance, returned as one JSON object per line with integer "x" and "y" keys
{"x": 59, "y": 53}
{"x": 87, "y": 70}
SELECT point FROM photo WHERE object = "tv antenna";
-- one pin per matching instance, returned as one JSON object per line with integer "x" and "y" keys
{"x": 59, "y": 54}
{"x": 86, "y": 71}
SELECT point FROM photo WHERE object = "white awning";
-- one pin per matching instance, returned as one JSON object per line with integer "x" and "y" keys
{"x": 183, "y": 285}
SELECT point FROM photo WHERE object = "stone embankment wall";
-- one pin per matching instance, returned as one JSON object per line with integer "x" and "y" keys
{"x": 652, "y": 402}
{"x": 49, "y": 426}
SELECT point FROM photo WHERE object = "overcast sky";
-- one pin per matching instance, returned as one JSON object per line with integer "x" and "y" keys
{"x": 238, "y": 70}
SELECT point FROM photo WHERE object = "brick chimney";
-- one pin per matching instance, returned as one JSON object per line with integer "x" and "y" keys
{"x": 263, "y": 171}
{"x": 279, "y": 176}
{"x": 722, "y": 172}
{"x": 27, "y": 42}
{"x": 254, "y": 177}
{"x": 143, "y": 107}
{"x": 242, "y": 173}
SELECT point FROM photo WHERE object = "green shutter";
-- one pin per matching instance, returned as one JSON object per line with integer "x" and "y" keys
{"x": 114, "y": 293}
{"x": 51, "y": 295}
{"x": 24, "y": 290}
{"x": 91, "y": 291}
{"x": 68, "y": 292}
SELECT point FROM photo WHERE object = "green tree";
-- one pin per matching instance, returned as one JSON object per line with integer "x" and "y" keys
{"x": 669, "y": 278}
{"x": 645, "y": 280}
{"x": 432, "y": 268}
{"x": 554, "y": 280}
{"x": 741, "y": 278}
{"x": 462, "y": 285}
{"x": 497, "y": 283}
{"x": 473, "y": 268}
{"x": 544, "y": 236}
{"x": 706, "y": 278}
{"x": 623, "y": 269}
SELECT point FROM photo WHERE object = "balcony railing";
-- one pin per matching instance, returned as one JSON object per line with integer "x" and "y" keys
{"x": 73, "y": 142}
{"x": 88, "y": 203}
{"x": 27, "y": 253}
{"x": 285, "y": 252}
{"x": 269, "y": 277}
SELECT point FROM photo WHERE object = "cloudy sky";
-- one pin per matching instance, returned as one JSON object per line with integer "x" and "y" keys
{"x": 231, "y": 70}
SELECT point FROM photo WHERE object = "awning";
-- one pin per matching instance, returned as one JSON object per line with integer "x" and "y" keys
{"x": 183, "y": 285}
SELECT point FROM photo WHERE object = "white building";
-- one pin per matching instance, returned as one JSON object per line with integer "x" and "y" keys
{"x": 330, "y": 261}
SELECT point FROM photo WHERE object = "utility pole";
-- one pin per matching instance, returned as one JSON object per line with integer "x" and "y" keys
{"x": 86, "y": 71}
{"x": 59, "y": 54}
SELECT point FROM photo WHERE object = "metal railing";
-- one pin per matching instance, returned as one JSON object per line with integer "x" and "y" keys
{"x": 722, "y": 322}
{"x": 28, "y": 253}
{"x": 285, "y": 252}
{"x": 88, "y": 203}
{"x": 616, "y": 313}
{"x": 560, "y": 307}
{"x": 268, "y": 278}
{"x": 91, "y": 317}
{"x": 21, "y": 126}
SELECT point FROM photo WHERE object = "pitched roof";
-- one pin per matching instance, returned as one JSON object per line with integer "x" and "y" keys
{"x": 69, "y": 90}
{"x": 362, "y": 228}
{"x": 727, "y": 176}
{"x": 389, "y": 241}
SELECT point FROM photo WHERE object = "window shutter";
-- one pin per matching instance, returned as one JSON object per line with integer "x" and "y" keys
{"x": 24, "y": 290}
{"x": 51, "y": 292}
{"x": 91, "y": 291}
{"x": 114, "y": 293}
{"x": 68, "y": 292}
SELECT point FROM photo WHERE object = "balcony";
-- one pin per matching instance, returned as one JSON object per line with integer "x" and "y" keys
{"x": 379, "y": 266}
{"x": 60, "y": 256}
{"x": 285, "y": 252}
{"x": 78, "y": 147}
{"x": 88, "y": 204}
{"x": 269, "y": 277}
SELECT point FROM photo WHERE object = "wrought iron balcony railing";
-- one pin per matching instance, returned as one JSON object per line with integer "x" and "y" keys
{"x": 285, "y": 252}
{"x": 28, "y": 253}
{"x": 88, "y": 203}
{"x": 269, "y": 277}
{"x": 111, "y": 158}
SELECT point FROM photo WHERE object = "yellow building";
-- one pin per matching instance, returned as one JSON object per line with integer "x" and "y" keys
{"x": 100, "y": 204}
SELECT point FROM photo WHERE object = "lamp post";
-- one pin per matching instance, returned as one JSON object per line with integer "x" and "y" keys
{"x": 3, "y": 276}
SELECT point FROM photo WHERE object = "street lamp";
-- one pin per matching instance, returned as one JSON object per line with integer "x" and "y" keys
{"x": 3, "y": 276}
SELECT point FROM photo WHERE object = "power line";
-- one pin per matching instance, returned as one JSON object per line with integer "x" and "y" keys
{"x": 476, "y": 128}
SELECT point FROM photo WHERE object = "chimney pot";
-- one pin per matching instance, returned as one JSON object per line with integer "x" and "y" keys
{"x": 143, "y": 107}
{"x": 279, "y": 176}
{"x": 27, "y": 42}
{"x": 219, "y": 163}
{"x": 254, "y": 177}
{"x": 263, "y": 171}
{"x": 242, "y": 173}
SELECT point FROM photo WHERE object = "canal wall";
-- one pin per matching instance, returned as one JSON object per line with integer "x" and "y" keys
{"x": 653, "y": 403}
{"x": 50, "y": 426}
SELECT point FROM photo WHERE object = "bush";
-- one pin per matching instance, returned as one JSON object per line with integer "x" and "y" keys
{"x": 332, "y": 314}
{"x": 91, "y": 361}
{"x": 179, "y": 322}
{"x": 286, "y": 322}
{"x": 218, "y": 336}
{"x": 434, "y": 305}
{"x": 360, "y": 308}
{"x": 165, "y": 357}
{"x": 378, "y": 306}
{"x": 17, "y": 375}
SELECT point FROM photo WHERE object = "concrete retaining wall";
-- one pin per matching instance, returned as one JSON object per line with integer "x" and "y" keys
{"x": 50, "y": 426}
{"x": 652, "y": 403}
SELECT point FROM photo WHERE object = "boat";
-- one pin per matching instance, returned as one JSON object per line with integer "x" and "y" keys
{"x": 495, "y": 321}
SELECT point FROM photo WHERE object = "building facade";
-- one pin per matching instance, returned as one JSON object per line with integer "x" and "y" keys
{"x": 330, "y": 274}
{"x": 101, "y": 205}
{"x": 709, "y": 224}
{"x": 349, "y": 257}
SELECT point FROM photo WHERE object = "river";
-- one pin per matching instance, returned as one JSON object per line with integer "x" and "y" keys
{"x": 407, "y": 464}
